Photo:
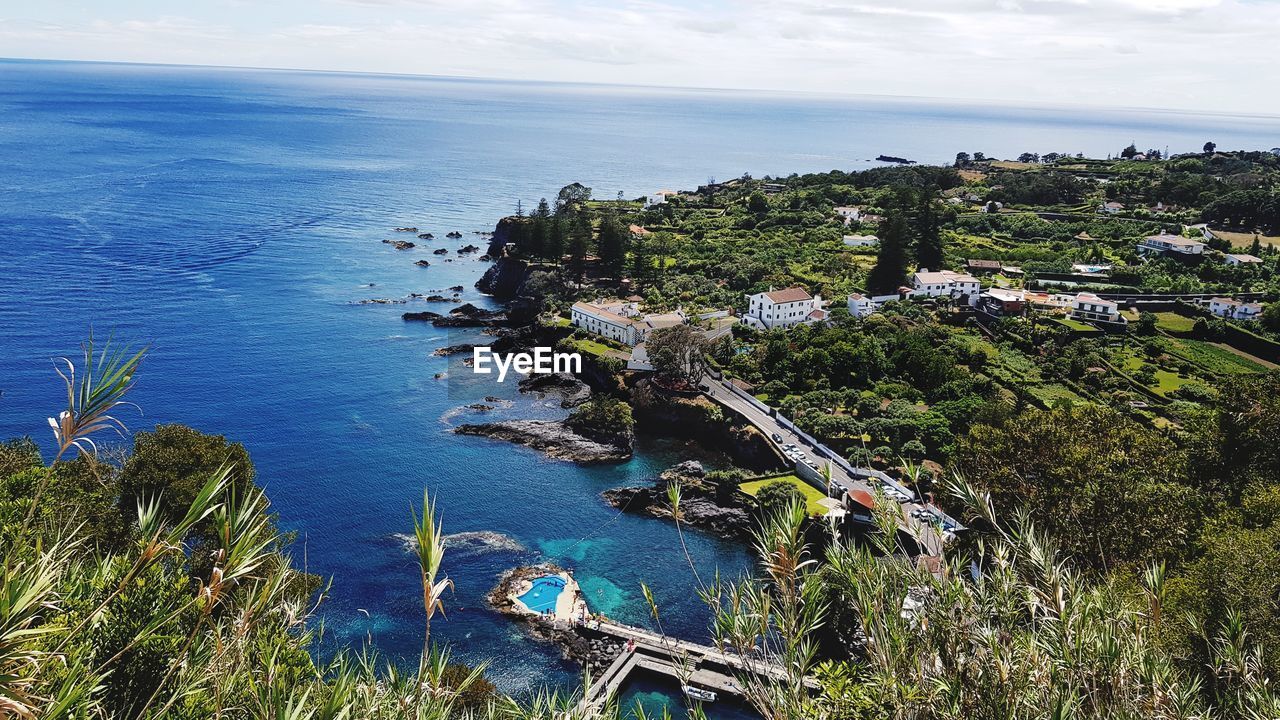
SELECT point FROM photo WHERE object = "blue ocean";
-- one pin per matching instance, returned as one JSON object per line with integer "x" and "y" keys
{"x": 233, "y": 220}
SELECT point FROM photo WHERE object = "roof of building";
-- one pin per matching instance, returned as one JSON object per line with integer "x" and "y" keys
{"x": 794, "y": 294}
{"x": 857, "y": 296}
{"x": 1168, "y": 239}
{"x": 1244, "y": 257}
{"x": 943, "y": 276}
{"x": 863, "y": 498}
{"x": 984, "y": 264}
{"x": 1094, "y": 299}
{"x": 602, "y": 311}
{"x": 1005, "y": 294}
{"x": 817, "y": 315}
{"x": 637, "y": 230}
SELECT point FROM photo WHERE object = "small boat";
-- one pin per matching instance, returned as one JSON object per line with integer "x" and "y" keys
{"x": 698, "y": 694}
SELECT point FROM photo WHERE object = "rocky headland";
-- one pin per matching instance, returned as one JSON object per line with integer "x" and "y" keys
{"x": 556, "y": 439}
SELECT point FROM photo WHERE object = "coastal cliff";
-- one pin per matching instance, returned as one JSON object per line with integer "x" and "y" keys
{"x": 663, "y": 413}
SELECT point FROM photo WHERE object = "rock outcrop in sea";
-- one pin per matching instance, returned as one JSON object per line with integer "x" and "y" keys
{"x": 555, "y": 439}
{"x": 704, "y": 504}
{"x": 572, "y": 391}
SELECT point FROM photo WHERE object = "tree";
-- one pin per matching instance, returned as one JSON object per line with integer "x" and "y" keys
{"x": 1146, "y": 324}
{"x": 891, "y": 257}
{"x": 1271, "y": 317}
{"x": 572, "y": 197}
{"x": 642, "y": 267}
{"x": 579, "y": 244}
{"x": 1089, "y": 476}
{"x": 612, "y": 243}
{"x": 963, "y": 159}
{"x": 928, "y": 232}
{"x": 1027, "y": 157}
{"x": 757, "y": 202}
{"x": 1209, "y": 147}
{"x": 776, "y": 496}
{"x": 678, "y": 354}
{"x": 540, "y": 229}
{"x": 1129, "y": 152}
{"x": 979, "y": 157}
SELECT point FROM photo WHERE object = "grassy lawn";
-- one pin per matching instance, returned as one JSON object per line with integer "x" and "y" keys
{"x": 1166, "y": 381}
{"x": 1216, "y": 360}
{"x": 1244, "y": 240}
{"x": 1052, "y": 392}
{"x": 811, "y": 494}
{"x": 591, "y": 347}
{"x": 1174, "y": 323}
{"x": 1077, "y": 326}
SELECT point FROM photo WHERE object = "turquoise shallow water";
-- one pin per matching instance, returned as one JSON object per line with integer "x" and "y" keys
{"x": 233, "y": 218}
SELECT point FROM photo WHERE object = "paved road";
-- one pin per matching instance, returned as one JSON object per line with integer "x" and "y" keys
{"x": 925, "y": 534}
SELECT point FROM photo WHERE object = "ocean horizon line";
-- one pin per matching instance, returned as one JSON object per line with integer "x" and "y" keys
{"x": 676, "y": 90}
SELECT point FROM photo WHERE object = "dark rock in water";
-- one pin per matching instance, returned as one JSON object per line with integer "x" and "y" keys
{"x": 380, "y": 301}
{"x": 453, "y": 234}
{"x": 895, "y": 159}
{"x": 703, "y": 504}
{"x": 453, "y": 350}
{"x": 551, "y": 437}
{"x": 426, "y": 236}
{"x": 423, "y": 263}
{"x": 423, "y": 316}
{"x": 485, "y": 258}
{"x": 479, "y": 407}
{"x": 572, "y": 391}
{"x": 456, "y": 288}
{"x": 441, "y": 251}
{"x": 437, "y": 298}
{"x": 407, "y": 229}
{"x": 466, "y": 249}
{"x": 400, "y": 244}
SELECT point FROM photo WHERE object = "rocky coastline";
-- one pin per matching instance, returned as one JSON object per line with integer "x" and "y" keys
{"x": 554, "y": 438}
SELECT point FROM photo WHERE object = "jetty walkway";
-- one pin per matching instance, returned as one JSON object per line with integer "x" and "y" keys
{"x": 697, "y": 665}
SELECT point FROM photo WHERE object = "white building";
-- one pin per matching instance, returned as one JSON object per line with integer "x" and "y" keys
{"x": 1242, "y": 259}
{"x": 861, "y": 306}
{"x": 1174, "y": 244}
{"x": 1088, "y": 307}
{"x": 658, "y": 198}
{"x": 620, "y": 321}
{"x": 944, "y": 282}
{"x": 783, "y": 308}
{"x": 849, "y": 213}
{"x": 1235, "y": 309}
{"x": 1110, "y": 208}
{"x": 861, "y": 240}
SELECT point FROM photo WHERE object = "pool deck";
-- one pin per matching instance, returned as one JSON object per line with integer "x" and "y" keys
{"x": 570, "y": 605}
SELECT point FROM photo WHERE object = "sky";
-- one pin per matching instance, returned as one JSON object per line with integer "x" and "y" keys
{"x": 1212, "y": 55}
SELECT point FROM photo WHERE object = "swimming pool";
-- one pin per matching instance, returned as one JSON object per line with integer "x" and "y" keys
{"x": 541, "y": 598}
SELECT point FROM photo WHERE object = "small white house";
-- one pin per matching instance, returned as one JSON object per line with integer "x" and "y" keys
{"x": 861, "y": 240}
{"x": 944, "y": 282}
{"x": 850, "y": 213}
{"x": 1242, "y": 259}
{"x": 1110, "y": 208}
{"x": 1170, "y": 244}
{"x": 1088, "y": 307}
{"x": 658, "y": 198}
{"x": 861, "y": 306}
{"x": 1233, "y": 309}
{"x": 783, "y": 308}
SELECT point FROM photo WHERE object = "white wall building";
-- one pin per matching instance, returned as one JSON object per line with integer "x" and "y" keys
{"x": 1242, "y": 259}
{"x": 1166, "y": 243}
{"x": 1235, "y": 309}
{"x": 1088, "y": 307}
{"x": 849, "y": 213}
{"x": 783, "y": 308}
{"x": 944, "y": 283}
{"x": 861, "y": 240}
{"x": 861, "y": 306}
{"x": 658, "y": 198}
{"x": 620, "y": 321}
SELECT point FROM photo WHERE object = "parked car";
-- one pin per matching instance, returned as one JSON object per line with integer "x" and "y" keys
{"x": 777, "y": 438}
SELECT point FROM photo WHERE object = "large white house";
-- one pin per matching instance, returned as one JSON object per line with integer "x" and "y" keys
{"x": 783, "y": 308}
{"x": 861, "y": 240}
{"x": 1171, "y": 244}
{"x": 944, "y": 282}
{"x": 620, "y": 320}
{"x": 849, "y": 213}
{"x": 1235, "y": 309}
{"x": 1088, "y": 307}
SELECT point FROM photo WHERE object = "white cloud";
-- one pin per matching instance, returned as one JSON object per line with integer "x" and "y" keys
{"x": 1211, "y": 54}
